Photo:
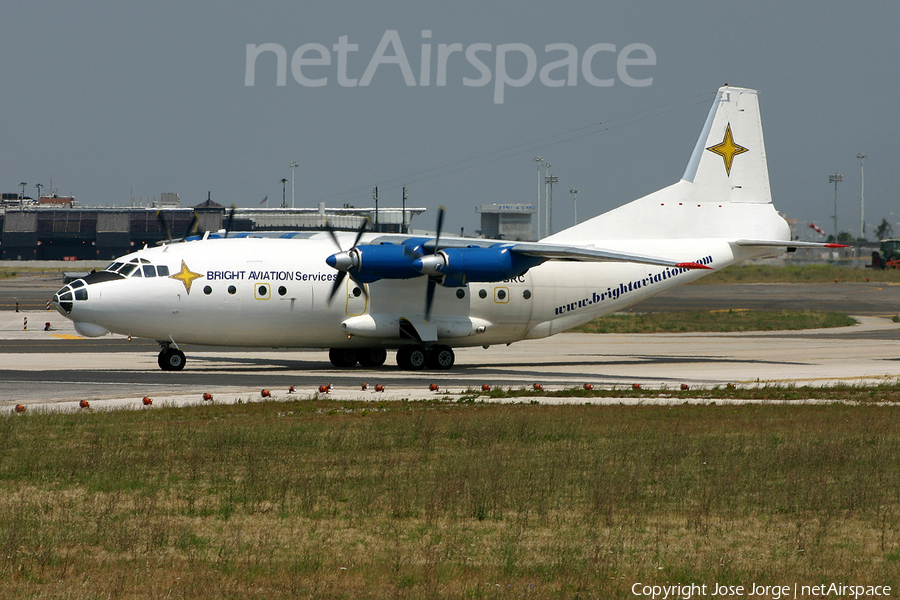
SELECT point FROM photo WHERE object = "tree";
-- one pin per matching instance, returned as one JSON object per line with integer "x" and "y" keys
{"x": 845, "y": 236}
{"x": 884, "y": 230}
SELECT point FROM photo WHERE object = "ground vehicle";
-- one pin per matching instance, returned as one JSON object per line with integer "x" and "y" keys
{"x": 889, "y": 256}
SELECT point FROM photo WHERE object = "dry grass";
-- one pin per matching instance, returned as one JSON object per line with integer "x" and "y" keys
{"x": 810, "y": 273}
{"x": 318, "y": 499}
{"x": 715, "y": 320}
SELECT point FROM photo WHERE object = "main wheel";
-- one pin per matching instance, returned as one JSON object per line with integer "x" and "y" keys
{"x": 342, "y": 358}
{"x": 411, "y": 358}
{"x": 372, "y": 357}
{"x": 171, "y": 359}
{"x": 441, "y": 357}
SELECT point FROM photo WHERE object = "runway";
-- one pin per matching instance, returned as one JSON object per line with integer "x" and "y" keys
{"x": 57, "y": 368}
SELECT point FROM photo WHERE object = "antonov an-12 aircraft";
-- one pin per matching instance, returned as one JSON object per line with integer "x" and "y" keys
{"x": 361, "y": 295}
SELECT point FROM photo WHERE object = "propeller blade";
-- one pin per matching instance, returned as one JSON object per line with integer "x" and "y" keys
{"x": 359, "y": 233}
{"x": 164, "y": 224}
{"x": 230, "y": 219}
{"x": 429, "y": 297}
{"x": 429, "y": 290}
{"x": 337, "y": 286}
{"x": 333, "y": 235}
{"x": 191, "y": 226}
{"x": 440, "y": 227}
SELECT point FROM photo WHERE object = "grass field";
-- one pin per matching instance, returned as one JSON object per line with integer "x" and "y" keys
{"x": 812, "y": 273}
{"x": 717, "y": 321}
{"x": 320, "y": 499}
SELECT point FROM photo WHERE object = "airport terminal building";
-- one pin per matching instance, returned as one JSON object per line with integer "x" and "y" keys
{"x": 55, "y": 228}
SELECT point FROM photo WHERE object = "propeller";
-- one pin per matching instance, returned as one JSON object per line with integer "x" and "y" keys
{"x": 164, "y": 225}
{"x": 345, "y": 261}
{"x": 432, "y": 281}
{"x": 191, "y": 228}
{"x": 230, "y": 220}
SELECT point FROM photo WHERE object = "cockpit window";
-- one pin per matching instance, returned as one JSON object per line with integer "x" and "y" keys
{"x": 77, "y": 283}
{"x": 138, "y": 267}
{"x": 127, "y": 270}
{"x": 81, "y": 294}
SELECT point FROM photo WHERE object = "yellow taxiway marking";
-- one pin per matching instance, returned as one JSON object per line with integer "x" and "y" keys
{"x": 66, "y": 336}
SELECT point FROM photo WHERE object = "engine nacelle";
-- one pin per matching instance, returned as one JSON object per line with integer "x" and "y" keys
{"x": 458, "y": 266}
{"x": 388, "y": 261}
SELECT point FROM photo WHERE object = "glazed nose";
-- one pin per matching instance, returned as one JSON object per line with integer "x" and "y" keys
{"x": 66, "y": 297}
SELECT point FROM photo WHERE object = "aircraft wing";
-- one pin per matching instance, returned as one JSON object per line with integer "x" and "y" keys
{"x": 588, "y": 254}
{"x": 786, "y": 244}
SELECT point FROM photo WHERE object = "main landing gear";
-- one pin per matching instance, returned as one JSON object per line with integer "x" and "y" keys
{"x": 170, "y": 358}
{"x": 410, "y": 358}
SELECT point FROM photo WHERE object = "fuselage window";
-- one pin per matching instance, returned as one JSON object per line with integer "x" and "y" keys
{"x": 207, "y": 290}
{"x": 460, "y": 293}
{"x": 162, "y": 271}
{"x": 482, "y": 294}
{"x": 526, "y": 294}
{"x": 149, "y": 271}
{"x": 282, "y": 290}
{"x": 232, "y": 290}
{"x": 357, "y": 292}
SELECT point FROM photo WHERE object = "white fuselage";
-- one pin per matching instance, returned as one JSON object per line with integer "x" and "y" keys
{"x": 274, "y": 293}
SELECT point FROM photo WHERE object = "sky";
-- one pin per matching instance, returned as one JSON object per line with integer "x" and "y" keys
{"x": 110, "y": 100}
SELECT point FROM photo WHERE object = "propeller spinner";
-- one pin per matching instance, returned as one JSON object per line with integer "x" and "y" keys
{"x": 345, "y": 261}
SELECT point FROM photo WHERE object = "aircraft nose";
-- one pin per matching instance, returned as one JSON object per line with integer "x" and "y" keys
{"x": 65, "y": 298}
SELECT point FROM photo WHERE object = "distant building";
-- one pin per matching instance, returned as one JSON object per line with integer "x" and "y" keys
{"x": 58, "y": 231}
{"x": 507, "y": 221}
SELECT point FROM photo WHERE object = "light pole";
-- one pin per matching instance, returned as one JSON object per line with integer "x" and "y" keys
{"x": 574, "y": 193}
{"x": 538, "y": 160}
{"x": 835, "y": 179}
{"x": 22, "y": 197}
{"x": 39, "y": 186}
{"x": 293, "y": 166}
{"x": 283, "y": 191}
{"x": 546, "y": 199}
{"x": 550, "y": 179}
{"x": 862, "y": 196}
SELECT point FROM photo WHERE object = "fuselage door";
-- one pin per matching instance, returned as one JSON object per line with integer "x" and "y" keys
{"x": 357, "y": 301}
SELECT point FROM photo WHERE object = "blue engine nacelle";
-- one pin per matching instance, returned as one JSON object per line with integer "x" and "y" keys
{"x": 385, "y": 261}
{"x": 459, "y": 266}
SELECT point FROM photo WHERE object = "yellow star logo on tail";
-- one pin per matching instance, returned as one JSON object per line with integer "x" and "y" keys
{"x": 727, "y": 149}
{"x": 186, "y": 276}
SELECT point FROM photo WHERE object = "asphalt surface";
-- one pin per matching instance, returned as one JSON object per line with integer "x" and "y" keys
{"x": 57, "y": 368}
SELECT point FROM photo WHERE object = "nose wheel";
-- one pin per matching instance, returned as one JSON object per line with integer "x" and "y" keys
{"x": 171, "y": 359}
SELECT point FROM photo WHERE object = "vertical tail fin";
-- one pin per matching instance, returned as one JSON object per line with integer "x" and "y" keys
{"x": 729, "y": 161}
{"x": 724, "y": 192}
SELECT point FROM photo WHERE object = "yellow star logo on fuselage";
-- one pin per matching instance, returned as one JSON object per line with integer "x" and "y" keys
{"x": 186, "y": 276}
{"x": 727, "y": 149}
